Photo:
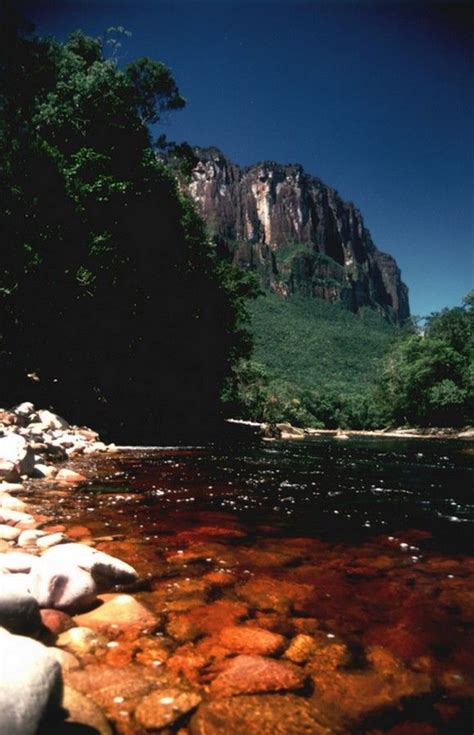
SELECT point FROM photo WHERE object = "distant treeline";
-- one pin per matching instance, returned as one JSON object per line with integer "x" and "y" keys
{"x": 316, "y": 364}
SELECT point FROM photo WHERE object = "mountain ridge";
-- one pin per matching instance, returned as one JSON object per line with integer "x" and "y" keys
{"x": 295, "y": 232}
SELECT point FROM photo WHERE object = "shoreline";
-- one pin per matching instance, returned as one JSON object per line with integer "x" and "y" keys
{"x": 288, "y": 431}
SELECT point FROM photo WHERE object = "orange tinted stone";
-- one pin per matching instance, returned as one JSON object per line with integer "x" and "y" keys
{"x": 252, "y": 674}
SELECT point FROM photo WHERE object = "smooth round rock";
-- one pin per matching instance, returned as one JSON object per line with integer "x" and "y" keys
{"x": 30, "y": 684}
{"x": 19, "y": 611}
{"x": 58, "y": 584}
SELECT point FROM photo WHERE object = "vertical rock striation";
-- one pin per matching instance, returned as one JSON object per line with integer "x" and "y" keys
{"x": 296, "y": 233}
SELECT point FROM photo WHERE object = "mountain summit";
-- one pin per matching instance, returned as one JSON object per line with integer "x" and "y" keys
{"x": 296, "y": 233}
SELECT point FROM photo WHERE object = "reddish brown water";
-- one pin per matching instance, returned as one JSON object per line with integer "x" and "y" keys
{"x": 365, "y": 546}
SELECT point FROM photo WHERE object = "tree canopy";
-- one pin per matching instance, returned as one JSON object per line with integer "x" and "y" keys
{"x": 429, "y": 377}
{"x": 110, "y": 292}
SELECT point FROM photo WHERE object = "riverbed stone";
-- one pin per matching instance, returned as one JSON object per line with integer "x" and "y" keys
{"x": 67, "y": 660}
{"x": 121, "y": 611}
{"x": 9, "y": 533}
{"x": 29, "y": 537}
{"x": 44, "y": 471}
{"x": 30, "y": 686}
{"x": 83, "y": 711}
{"x": 356, "y": 694}
{"x": 301, "y": 648}
{"x": 50, "y": 539}
{"x": 14, "y": 517}
{"x": 8, "y": 471}
{"x": 266, "y": 593}
{"x": 81, "y": 640}
{"x": 8, "y": 501}
{"x": 56, "y": 621}
{"x": 11, "y": 487}
{"x": 14, "y": 448}
{"x": 253, "y": 674}
{"x": 258, "y": 714}
{"x": 65, "y": 475}
{"x": 165, "y": 706}
{"x": 104, "y": 683}
{"x": 251, "y": 640}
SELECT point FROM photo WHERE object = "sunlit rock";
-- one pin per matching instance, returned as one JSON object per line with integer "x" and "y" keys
{"x": 30, "y": 684}
{"x": 122, "y": 611}
{"x": 57, "y": 583}
{"x": 14, "y": 448}
{"x": 81, "y": 640}
{"x": 103, "y": 567}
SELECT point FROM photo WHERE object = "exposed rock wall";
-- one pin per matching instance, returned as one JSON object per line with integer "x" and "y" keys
{"x": 296, "y": 233}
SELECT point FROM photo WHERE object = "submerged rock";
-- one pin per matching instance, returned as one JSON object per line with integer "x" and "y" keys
{"x": 254, "y": 640}
{"x": 121, "y": 611}
{"x": 260, "y": 714}
{"x": 355, "y": 694}
{"x": 81, "y": 710}
{"x": 252, "y": 674}
{"x": 165, "y": 706}
{"x": 81, "y": 640}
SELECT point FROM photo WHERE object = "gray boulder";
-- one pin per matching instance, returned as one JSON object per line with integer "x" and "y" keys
{"x": 19, "y": 611}
{"x": 30, "y": 684}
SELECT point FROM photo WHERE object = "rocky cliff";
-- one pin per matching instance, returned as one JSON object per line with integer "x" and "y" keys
{"x": 296, "y": 233}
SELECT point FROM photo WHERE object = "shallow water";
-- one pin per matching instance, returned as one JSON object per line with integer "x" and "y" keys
{"x": 365, "y": 541}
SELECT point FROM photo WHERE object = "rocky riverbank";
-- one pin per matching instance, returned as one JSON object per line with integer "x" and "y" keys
{"x": 288, "y": 431}
{"x": 45, "y": 578}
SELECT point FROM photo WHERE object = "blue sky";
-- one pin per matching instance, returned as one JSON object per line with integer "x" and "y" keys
{"x": 375, "y": 98}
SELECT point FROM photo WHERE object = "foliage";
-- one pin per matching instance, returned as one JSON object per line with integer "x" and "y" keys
{"x": 428, "y": 380}
{"x": 109, "y": 289}
{"x": 314, "y": 364}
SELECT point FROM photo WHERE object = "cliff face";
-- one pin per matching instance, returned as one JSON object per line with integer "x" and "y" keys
{"x": 296, "y": 233}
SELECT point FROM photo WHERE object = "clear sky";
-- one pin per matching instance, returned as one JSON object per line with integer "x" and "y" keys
{"x": 375, "y": 98}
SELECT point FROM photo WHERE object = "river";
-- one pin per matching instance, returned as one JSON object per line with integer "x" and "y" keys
{"x": 365, "y": 544}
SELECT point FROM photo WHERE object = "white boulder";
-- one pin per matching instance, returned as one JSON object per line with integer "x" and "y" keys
{"x": 30, "y": 684}
{"x": 99, "y": 564}
{"x": 56, "y": 583}
{"x": 14, "y": 448}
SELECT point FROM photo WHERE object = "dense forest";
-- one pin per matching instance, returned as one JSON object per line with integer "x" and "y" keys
{"x": 115, "y": 306}
{"x": 317, "y": 364}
